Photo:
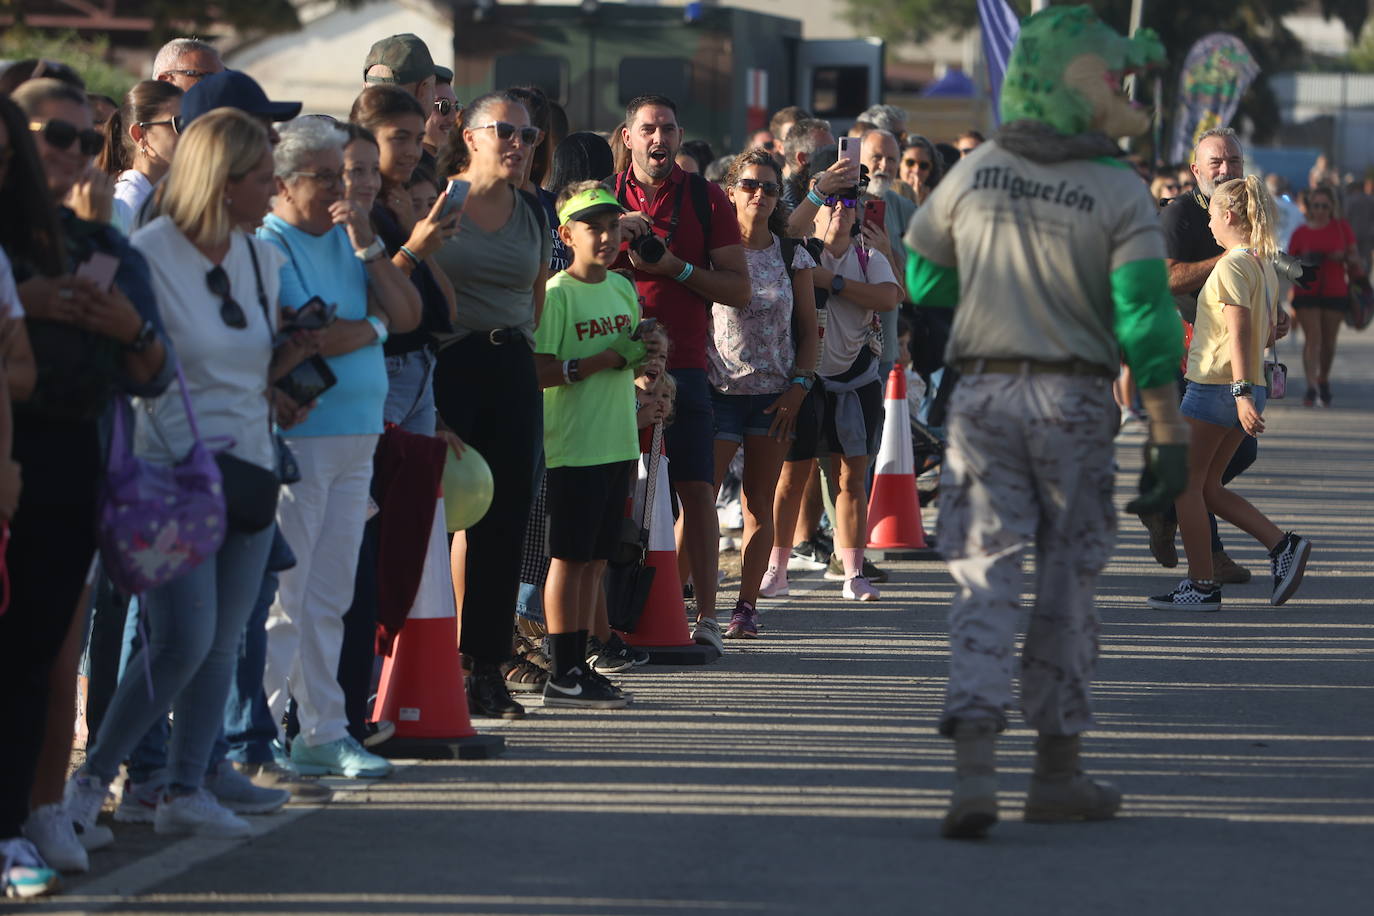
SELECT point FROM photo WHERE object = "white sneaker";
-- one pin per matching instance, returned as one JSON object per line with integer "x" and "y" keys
{"x": 707, "y": 633}
{"x": 859, "y": 589}
{"x": 83, "y": 797}
{"x": 774, "y": 584}
{"x": 92, "y": 836}
{"x": 199, "y": 814}
{"x": 49, "y": 827}
{"x": 237, "y": 792}
{"x": 138, "y": 802}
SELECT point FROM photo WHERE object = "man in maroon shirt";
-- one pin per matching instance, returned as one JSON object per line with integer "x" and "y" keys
{"x": 703, "y": 264}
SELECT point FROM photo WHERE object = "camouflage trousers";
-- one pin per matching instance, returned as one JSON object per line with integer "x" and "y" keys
{"x": 1029, "y": 461}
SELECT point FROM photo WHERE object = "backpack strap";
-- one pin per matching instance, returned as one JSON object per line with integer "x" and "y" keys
{"x": 532, "y": 201}
{"x": 701, "y": 201}
{"x": 789, "y": 252}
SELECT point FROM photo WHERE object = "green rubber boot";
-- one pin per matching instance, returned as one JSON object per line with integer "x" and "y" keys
{"x": 973, "y": 808}
{"x": 1060, "y": 791}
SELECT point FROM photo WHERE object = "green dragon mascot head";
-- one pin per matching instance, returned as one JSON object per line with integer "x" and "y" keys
{"x": 1066, "y": 71}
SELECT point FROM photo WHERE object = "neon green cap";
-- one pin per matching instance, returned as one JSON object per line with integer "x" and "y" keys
{"x": 585, "y": 203}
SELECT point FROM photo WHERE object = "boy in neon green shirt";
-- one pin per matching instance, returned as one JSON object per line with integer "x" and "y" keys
{"x": 586, "y": 350}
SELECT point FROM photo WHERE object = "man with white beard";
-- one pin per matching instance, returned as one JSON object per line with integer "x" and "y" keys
{"x": 880, "y": 154}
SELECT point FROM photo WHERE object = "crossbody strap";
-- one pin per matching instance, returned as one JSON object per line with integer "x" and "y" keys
{"x": 262, "y": 300}
{"x": 651, "y": 485}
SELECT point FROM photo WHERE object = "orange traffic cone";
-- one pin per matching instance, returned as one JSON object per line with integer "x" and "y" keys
{"x": 662, "y": 628}
{"x": 894, "y": 508}
{"x": 422, "y": 680}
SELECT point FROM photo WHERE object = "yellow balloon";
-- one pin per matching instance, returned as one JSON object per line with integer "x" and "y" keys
{"x": 467, "y": 489}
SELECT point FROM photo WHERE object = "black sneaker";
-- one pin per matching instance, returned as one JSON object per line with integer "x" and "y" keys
{"x": 606, "y": 660}
{"x": 1287, "y": 560}
{"x": 488, "y": 696}
{"x": 639, "y": 656}
{"x": 1188, "y": 597}
{"x": 808, "y": 555}
{"x": 579, "y": 690}
{"x": 608, "y": 685}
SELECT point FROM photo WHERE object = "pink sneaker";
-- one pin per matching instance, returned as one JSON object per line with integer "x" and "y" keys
{"x": 774, "y": 584}
{"x": 859, "y": 589}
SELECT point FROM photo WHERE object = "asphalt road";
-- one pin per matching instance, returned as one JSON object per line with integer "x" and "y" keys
{"x": 802, "y": 774}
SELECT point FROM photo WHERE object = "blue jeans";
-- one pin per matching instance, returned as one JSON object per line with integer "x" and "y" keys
{"x": 248, "y": 730}
{"x": 195, "y": 624}
{"x": 410, "y": 395}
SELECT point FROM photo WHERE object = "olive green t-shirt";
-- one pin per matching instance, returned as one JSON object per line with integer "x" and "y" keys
{"x": 592, "y": 421}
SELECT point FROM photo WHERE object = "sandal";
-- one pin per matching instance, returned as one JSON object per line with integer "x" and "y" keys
{"x": 524, "y": 676}
{"x": 529, "y": 669}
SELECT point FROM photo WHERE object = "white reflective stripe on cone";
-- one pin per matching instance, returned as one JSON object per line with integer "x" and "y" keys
{"x": 661, "y": 531}
{"x": 894, "y": 456}
{"x": 435, "y": 597}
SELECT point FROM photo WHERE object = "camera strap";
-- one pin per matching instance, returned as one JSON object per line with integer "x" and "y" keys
{"x": 622, "y": 182}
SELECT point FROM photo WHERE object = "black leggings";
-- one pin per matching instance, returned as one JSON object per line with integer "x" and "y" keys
{"x": 488, "y": 394}
{"x": 49, "y": 555}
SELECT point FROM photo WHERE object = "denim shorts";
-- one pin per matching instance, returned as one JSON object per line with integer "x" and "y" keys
{"x": 1214, "y": 403}
{"x": 740, "y": 415}
{"x": 690, "y": 440}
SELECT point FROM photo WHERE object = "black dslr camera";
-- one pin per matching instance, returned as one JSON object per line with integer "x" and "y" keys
{"x": 649, "y": 248}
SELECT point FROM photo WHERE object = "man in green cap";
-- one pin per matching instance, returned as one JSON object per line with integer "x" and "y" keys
{"x": 404, "y": 60}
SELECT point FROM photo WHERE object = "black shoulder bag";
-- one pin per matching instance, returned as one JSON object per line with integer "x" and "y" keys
{"x": 251, "y": 491}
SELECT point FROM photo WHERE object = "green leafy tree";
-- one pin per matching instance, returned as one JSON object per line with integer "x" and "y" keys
{"x": 87, "y": 57}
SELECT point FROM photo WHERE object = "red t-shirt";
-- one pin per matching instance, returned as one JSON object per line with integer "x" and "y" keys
{"x": 684, "y": 315}
{"x": 1334, "y": 236}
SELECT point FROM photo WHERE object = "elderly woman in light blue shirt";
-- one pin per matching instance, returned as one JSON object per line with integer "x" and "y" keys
{"x": 331, "y": 252}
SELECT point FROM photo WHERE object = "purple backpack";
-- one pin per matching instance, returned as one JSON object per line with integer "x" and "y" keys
{"x": 156, "y": 521}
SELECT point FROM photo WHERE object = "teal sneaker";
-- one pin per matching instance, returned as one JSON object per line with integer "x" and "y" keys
{"x": 23, "y": 873}
{"x": 345, "y": 757}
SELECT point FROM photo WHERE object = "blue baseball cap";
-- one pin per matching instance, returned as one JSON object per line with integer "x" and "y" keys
{"x": 233, "y": 89}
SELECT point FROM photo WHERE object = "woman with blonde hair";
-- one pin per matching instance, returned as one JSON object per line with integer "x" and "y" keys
{"x": 1237, "y": 318}
{"x": 218, "y": 292}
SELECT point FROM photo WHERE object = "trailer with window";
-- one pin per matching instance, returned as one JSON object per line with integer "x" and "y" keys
{"x": 727, "y": 69}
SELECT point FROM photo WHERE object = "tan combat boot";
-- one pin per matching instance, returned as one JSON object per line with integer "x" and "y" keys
{"x": 973, "y": 808}
{"x": 1059, "y": 790}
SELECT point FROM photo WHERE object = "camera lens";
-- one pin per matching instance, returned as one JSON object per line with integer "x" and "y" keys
{"x": 649, "y": 248}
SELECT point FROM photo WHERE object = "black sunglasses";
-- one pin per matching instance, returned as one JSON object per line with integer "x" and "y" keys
{"x": 849, "y": 203}
{"x": 446, "y": 106}
{"x": 770, "y": 188}
{"x": 529, "y": 136}
{"x": 62, "y": 134}
{"x": 229, "y": 311}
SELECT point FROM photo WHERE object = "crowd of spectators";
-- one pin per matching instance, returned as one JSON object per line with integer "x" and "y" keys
{"x": 474, "y": 272}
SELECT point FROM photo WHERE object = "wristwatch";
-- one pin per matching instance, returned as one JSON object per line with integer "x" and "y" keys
{"x": 805, "y": 381}
{"x": 143, "y": 340}
{"x": 1242, "y": 389}
{"x": 371, "y": 252}
{"x": 837, "y": 284}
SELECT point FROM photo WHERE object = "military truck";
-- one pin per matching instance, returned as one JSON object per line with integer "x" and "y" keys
{"x": 727, "y": 69}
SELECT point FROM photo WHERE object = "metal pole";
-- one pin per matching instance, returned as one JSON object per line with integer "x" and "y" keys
{"x": 1137, "y": 13}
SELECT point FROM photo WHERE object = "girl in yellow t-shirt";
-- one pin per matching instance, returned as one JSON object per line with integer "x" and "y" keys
{"x": 1236, "y": 315}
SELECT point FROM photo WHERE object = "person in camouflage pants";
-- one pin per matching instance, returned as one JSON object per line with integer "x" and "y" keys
{"x": 1017, "y": 473}
{"x": 1060, "y": 262}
